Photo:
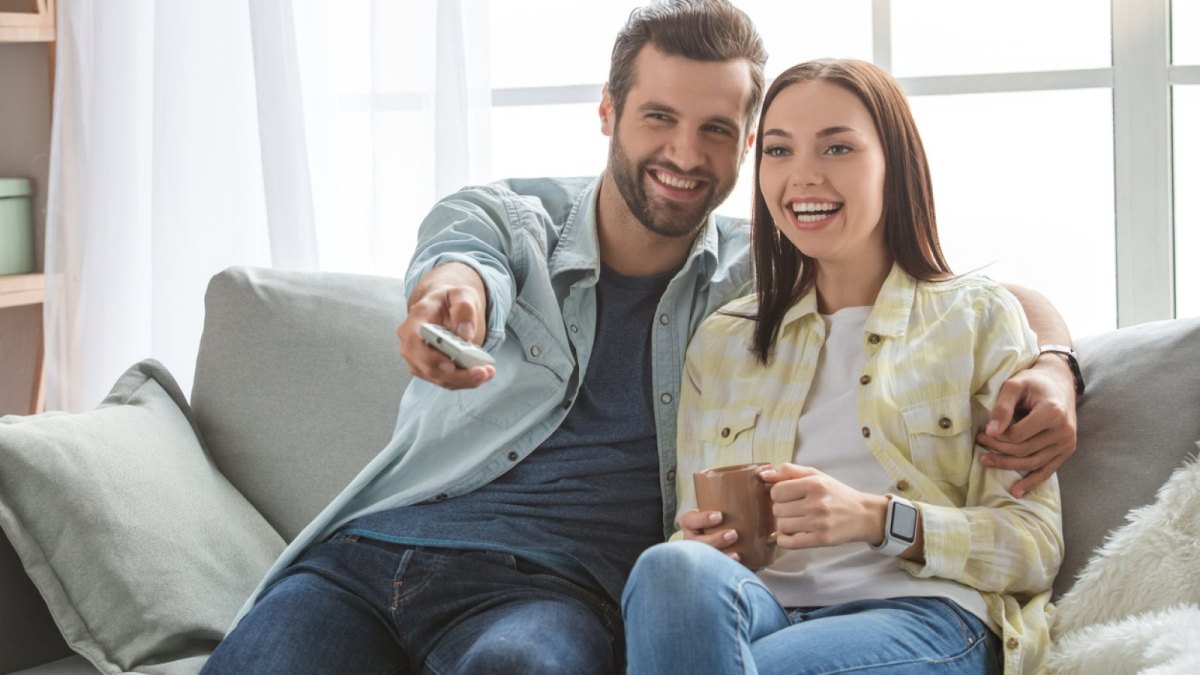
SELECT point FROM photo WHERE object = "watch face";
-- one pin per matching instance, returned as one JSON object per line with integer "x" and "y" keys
{"x": 904, "y": 522}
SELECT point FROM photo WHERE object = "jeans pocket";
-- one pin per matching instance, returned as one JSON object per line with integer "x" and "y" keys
{"x": 969, "y": 626}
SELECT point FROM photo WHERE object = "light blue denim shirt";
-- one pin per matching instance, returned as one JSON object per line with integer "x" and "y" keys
{"x": 534, "y": 243}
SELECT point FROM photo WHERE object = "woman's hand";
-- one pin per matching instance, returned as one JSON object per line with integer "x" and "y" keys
{"x": 705, "y": 527}
{"x": 813, "y": 510}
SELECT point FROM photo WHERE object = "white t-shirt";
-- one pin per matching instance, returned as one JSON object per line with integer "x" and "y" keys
{"x": 828, "y": 439}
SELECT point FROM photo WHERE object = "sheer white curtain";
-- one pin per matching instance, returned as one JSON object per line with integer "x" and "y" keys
{"x": 188, "y": 137}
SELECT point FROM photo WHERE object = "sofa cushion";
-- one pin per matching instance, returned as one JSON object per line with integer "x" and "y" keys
{"x": 1138, "y": 421}
{"x": 298, "y": 381}
{"x": 141, "y": 549}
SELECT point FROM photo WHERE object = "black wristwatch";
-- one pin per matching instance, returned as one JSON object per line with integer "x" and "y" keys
{"x": 1072, "y": 361}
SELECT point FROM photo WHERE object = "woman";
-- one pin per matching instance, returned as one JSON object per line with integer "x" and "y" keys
{"x": 860, "y": 370}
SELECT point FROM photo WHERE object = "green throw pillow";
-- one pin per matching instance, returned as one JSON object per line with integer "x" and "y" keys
{"x": 142, "y": 550}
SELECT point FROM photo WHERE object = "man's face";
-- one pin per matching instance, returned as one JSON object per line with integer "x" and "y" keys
{"x": 677, "y": 147}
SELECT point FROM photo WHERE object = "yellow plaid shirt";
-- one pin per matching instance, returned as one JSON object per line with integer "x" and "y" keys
{"x": 937, "y": 354}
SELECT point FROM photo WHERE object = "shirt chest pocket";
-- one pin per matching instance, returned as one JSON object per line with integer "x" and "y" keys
{"x": 941, "y": 437}
{"x": 728, "y": 436}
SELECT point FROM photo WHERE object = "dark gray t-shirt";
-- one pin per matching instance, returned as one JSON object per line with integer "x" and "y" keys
{"x": 587, "y": 501}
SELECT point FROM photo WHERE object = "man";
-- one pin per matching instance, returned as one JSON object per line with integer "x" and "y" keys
{"x": 496, "y": 530}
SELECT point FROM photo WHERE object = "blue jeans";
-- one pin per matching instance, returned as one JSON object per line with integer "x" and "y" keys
{"x": 352, "y": 605}
{"x": 691, "y": 609}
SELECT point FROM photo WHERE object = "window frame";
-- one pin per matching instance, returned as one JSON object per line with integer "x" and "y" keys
{"x": 1141, "y": 79}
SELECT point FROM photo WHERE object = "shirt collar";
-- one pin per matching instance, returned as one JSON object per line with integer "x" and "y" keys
{"x": 578, "y": 248}
{"x": 890, "y": 314}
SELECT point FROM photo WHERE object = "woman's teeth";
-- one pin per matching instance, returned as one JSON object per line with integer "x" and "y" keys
{"x": 811, "y": 212}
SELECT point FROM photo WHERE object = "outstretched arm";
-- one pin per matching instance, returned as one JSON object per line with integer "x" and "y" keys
{"x": 1032, "y": 426}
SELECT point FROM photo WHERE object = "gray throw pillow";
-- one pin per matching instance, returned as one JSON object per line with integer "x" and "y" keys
{"x": 1137, "y": 424}
{"x": 142, "y": 550}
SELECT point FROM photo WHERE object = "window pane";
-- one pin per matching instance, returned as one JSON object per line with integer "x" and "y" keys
{"x": 1023, "y": 184}
{"x": 801, "y": 30}
{"x": 951, "y": 37}
{"x": 548, "y": 140}
{"x": 541, "y": 43}
{"x": 1187, "y": 203}
{"x": 1185, "y": 29}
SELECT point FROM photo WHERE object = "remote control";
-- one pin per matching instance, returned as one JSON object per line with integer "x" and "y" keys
{"x": 462, "y": 353}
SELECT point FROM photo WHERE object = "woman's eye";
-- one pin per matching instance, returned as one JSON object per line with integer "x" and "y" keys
{"x": 838, "y": 149}
{"x": 775, "y": 151}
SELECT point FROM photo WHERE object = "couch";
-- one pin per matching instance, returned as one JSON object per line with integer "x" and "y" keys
{"x": 296, "y": 385}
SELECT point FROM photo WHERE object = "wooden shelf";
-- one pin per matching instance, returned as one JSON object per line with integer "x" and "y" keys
{"x": 18, "y": 290}
{"x": 22, "y": 295}
{"x": 36, "y": 25}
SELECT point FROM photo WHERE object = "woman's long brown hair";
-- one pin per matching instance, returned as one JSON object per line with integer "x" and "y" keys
{"x": 784, "y": 274}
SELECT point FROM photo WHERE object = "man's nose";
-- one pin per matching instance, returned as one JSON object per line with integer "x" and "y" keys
{"x": 685, "y": 150}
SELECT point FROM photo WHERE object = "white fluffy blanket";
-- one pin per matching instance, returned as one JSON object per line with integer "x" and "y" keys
{"x": 1136, "y": 605}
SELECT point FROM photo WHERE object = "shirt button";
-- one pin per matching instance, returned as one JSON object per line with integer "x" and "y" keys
{"x": 534, "y": 351}
{"x": 865, "y": 379}
{"x": 512, "y": 456}
{"x": 442, "y": 497}
{"x": 664, "y": 319}
{"x": 866, "y": 432}
{"x": 944, "y": 423}
{"x": 725, "y": 432}
{"x": 567, "y": 404}
{"x": 902, "y": 486}
{"x": 666, "y": 398}
{"x": 671, "y": 476}
{"x": 1012, "y": 643}
{"x": 873, "y": 339}
{"x": 574, "y": 328}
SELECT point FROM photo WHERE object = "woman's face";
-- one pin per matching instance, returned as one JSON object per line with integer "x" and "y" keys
{"x": 822, "y": 173}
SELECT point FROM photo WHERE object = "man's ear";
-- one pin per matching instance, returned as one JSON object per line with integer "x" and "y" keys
{"x": 608, "y": 119}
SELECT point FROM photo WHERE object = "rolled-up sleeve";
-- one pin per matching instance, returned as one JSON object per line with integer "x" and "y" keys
{"x": 473, "y": 227}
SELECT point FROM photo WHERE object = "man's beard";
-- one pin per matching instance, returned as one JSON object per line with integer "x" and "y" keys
{"x": 660, "y": 216}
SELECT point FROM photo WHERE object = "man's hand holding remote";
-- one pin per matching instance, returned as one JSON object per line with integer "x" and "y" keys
{"x": 453, "y": 296}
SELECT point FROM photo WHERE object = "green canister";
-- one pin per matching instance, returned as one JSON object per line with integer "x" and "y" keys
{"x": 16, "y": 226}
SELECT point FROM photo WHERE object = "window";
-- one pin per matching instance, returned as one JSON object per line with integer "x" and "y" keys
{"x": 1060, "y": 136}
{"x": 1187, "y": 203}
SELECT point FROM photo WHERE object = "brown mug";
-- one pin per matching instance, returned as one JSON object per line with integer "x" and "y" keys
{"x": 744, "y": 500}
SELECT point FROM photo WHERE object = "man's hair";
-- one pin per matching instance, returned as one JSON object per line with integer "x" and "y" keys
{"x": 701, "y": 30}
{"x": 783, "y": 274}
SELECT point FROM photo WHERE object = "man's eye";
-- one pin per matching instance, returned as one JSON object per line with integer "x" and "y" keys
{"x": 716, "y": 129}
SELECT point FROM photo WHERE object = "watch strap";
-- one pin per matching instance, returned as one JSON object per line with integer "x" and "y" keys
{"x": 1072, "y": 363}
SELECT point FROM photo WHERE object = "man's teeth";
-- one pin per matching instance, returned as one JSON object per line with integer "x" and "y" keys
{"x": 811, "y": 212}
{"x": 681, "y": 183}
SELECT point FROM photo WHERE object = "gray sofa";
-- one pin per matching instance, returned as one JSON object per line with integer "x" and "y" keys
{"x": 297, "y": 383}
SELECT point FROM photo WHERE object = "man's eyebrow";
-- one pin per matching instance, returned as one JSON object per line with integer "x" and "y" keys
{"x": 654, "y": 106}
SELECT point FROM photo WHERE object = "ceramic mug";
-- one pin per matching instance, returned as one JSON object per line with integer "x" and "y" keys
{"x": 744, "y": 499}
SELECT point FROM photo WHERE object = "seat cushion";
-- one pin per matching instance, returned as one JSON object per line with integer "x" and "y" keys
{"x": 298, "y": 380}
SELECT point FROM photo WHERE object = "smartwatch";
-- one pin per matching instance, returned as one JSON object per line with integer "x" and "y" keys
{"x": 1072, "y": 361}
{"x": 899, "y": 527}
